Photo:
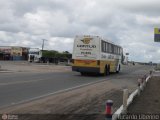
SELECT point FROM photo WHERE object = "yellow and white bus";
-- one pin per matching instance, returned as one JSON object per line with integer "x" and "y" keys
{"x": 92, "y": 54}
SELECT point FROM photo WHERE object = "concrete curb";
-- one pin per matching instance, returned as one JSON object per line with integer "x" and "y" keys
{"x": 130, "y": 99}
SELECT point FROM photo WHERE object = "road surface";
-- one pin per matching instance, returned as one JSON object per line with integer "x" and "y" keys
{"x": 19, "y": 87}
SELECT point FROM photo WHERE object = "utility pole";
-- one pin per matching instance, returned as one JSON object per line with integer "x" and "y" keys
{"x": 42, "y": 49}
{"x": 43, "y": 43}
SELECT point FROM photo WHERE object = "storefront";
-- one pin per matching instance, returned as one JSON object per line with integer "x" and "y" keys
{"x": 5, "y": 53}
{"x": 13, "y": 53}
{"x": 1, "y": 55}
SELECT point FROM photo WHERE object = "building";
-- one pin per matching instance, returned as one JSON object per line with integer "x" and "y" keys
{"x": 13, "y": 53}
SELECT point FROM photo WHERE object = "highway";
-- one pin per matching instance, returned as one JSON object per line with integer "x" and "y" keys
{"x": 19, "y": 87}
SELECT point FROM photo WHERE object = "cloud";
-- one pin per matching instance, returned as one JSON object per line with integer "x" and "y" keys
{"x": 146, "y": 20}
{"x": 128, "y": 23}
{"x": 60, "y": 44}
{"x": 145, "y": 7}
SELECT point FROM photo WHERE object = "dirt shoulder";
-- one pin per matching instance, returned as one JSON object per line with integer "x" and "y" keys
{"x": 84, "y": 101}
{"x": 65, "y": 102}
{"x": 149, "y": 100}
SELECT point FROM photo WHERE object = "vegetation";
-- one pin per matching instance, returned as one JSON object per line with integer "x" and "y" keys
{"x": 56, "y": 54}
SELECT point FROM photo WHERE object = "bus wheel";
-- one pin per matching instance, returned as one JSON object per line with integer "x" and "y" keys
{"x": 107, "y": 70}
{"x": 119, "y": 68}
{"x": 83, "y": 73}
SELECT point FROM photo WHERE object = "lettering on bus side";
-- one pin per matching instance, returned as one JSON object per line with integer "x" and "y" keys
{"x": 88, "y": 53}
{"x": 103, "y": 56}
{"x": 110, "y": 56}
{"x": 87, "y": 46}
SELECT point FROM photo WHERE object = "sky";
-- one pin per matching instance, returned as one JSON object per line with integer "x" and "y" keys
{"x": 129, "y": 23}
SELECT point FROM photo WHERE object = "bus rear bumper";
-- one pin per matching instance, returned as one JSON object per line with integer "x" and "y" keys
{"x": 86, "y": 69}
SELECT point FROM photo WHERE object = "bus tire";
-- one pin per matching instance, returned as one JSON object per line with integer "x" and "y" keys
{"x": 119, "y": 68}
{"x": 104, "y": 74}
{"x": 106, "y": 70}
{"x": 83, "y": 73}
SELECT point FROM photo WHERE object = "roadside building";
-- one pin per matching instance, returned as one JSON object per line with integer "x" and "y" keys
{"x": 13, "y": 53}
{"x": 5, "y": 52}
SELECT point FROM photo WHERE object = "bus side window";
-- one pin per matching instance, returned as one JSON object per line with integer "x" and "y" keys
{"x": 112, "y": 48}
{"x": 102, "y": 46}
{"x": 119, "y": 51}
{"x": 107, "y": 47}
{"x": 115, "y": 49}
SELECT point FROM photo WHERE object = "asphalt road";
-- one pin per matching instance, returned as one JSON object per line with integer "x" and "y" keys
{"x": 19, "y": 87}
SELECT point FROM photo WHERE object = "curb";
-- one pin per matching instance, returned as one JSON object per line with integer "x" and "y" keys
{"x": 130, "y": 98}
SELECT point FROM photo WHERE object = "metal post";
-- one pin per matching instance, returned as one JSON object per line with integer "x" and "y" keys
{"x": 108, "y": 113}
{"x": 142, "y": 81}
{"x": 43, "y": 43}
{"x": 150, "y": 73}
{"x": 139, "y": 84}
{"x": 125, "y": 98}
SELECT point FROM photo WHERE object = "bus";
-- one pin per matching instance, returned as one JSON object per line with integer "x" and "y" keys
{"x": 92, "y": 54}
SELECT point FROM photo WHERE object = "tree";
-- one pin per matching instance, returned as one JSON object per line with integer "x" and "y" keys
{"x": 56, "y": 54}
{"x": 47, "y": 53}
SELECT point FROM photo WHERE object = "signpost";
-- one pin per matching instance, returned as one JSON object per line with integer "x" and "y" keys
{"x": 156, "y": 34}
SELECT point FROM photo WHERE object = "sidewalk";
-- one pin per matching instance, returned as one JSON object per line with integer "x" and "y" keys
{"x": 149, "y": 100}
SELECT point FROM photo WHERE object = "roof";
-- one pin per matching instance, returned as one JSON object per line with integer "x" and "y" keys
{"x": 15, "y": 46}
